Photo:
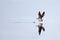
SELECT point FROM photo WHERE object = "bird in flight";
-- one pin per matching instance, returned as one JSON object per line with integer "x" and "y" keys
{"x": 40, "y": 28}
{"x": 40, "y": 16}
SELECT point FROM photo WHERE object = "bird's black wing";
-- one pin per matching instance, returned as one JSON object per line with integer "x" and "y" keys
{"x": 39, "y": 14}
{"x": 43, "y": 14}
{"x": 39, "y": 31}
{"x": 43, "y": 28}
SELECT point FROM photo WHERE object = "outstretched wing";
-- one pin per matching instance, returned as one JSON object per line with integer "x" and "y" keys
{"x": 43, "y": 14}
{"x": 39, "y": 14}
{"x": 39, "y": 31}
{"x": 43, "y": 28}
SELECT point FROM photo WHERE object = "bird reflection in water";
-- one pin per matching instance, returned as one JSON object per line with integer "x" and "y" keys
{"x": 40, "y": 28}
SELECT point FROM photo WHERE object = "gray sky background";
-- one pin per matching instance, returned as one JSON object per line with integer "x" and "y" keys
{"x": 12, "y": 12}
